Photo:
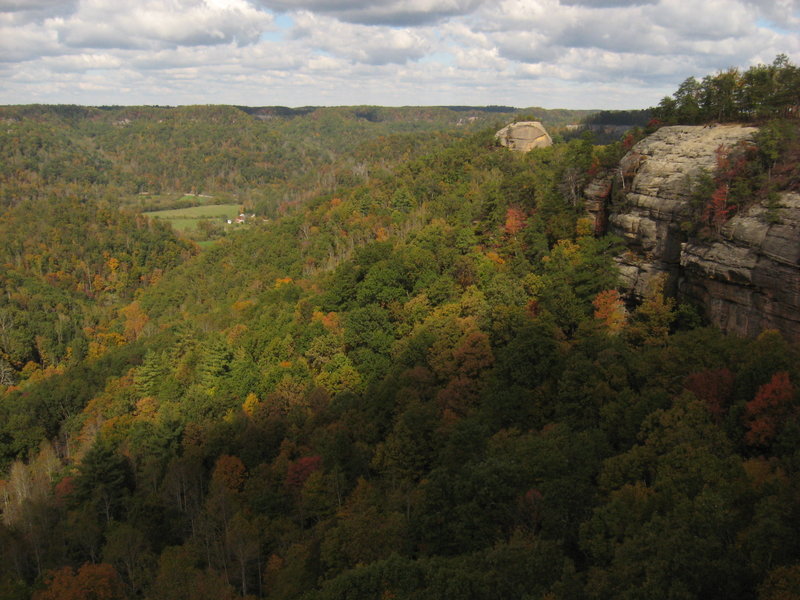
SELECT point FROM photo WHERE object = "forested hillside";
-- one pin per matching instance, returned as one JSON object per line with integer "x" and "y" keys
{"x": 71, "y": 258}
{"x": 420, "y": 382}
{"x": 264, "y": 156}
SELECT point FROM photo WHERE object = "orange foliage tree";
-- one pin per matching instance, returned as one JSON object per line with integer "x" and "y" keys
{"x": 515, "y": 221}
{"x": 135, "y": 320}
{"x": 91, "y": 582}
{"x": 229, "y": 473}
{"x": 609, "y": 310}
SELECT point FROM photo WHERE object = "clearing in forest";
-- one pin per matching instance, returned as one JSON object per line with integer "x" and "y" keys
{"x": 185, "y": 219}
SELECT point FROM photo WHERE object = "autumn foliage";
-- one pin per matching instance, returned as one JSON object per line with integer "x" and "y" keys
{"x": 730, "y": 173}
{"x": 229, "y": 473}
{"x": 717, "y": 210}
{"x": 300, "y": 470}
{"x": 90, "y": 582}
{"x": 424, "y": 387}
{"x": 515, "y": 221}
{"x": 766, "y": 413}
{"x": 610, "y": 310}
{"x": 714, "y": 387}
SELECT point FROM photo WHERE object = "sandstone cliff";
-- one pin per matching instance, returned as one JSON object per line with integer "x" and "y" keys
{"x": 747, "y": 279}
{"x": 524, "y": 136}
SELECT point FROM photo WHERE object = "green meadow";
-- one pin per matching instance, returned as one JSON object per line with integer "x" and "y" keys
{"x": 185, "y": 219}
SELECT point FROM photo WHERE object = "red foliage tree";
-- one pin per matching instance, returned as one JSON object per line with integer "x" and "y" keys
{"x": 717, "y": 210}
{"x": 473, "y": 354}
{"x": 782, "y": 583}
{"x": 463, "y": 367}
{"x": 628, "y": 141}
{"x": 594, "y": 168}
{"x": 714, "y": 387}
{"x": 531, "y": 505}
{"x": 770, "y": 408}
{"x": 300, "y": 470}
{"x": 456, "y": 397}
{"x": 64, "y": 490}
{"x": 731, "y": 164}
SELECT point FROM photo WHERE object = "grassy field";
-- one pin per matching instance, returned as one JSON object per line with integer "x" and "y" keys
{"x": 184, "y": 219}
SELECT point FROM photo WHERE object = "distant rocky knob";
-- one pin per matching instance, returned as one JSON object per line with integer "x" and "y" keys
{"x": 524, "y": 136}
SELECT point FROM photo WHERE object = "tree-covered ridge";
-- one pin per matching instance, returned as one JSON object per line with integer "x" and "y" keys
{"x": 761, "y": 92}
{"x": 267, "y": 157}
{"x": 420, "y": 384}
{"x": 65, "y": 169}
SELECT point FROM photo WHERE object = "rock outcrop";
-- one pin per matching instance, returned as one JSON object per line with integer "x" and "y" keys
{"x": 747, "y": 278}
{"x": 524, "y": 136}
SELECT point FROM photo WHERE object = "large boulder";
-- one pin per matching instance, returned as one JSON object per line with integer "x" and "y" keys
{"x": 524, "y": 136}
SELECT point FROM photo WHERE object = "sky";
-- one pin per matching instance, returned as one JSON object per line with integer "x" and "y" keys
{"x": 607, "y": 54}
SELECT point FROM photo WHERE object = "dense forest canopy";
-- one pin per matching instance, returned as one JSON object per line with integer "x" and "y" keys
{"x": 416, "y": 380}
{"x": 263, "y": 155}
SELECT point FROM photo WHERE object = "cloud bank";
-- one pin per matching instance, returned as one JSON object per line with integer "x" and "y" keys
{"x": 552, "y": 53}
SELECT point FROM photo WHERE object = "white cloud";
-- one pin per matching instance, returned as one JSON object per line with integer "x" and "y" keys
{"x": 26, "y": 42}
{"x": 27, "y": 5}
{"x": 360, "y": 43}
{"x": 159, "y": 23}
{"x": 78, "y": 63}
{"x": 570, "y": 53}
{"x": 719, "y": 19}
{"x": 606, "y": 3}
{"x": 784, "y": 13}
{"x": 27, "y": 11}
{"x": 380, "y": 12}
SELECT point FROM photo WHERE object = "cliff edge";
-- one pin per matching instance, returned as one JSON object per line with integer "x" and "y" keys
{"x": 747, "y": 278}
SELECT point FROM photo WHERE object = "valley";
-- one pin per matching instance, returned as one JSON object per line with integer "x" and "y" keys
{"x": 426, "y": 366}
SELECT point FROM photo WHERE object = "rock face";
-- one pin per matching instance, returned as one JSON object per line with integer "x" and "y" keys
{"x": 748, "y": 279}
{"x": 524, "y": 136}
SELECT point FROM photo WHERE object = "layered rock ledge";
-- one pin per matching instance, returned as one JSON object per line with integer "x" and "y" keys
{"x": 747, "y": 279}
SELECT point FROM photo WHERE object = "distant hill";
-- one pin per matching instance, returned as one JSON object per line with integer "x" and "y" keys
{"x": 263, "y": 157}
